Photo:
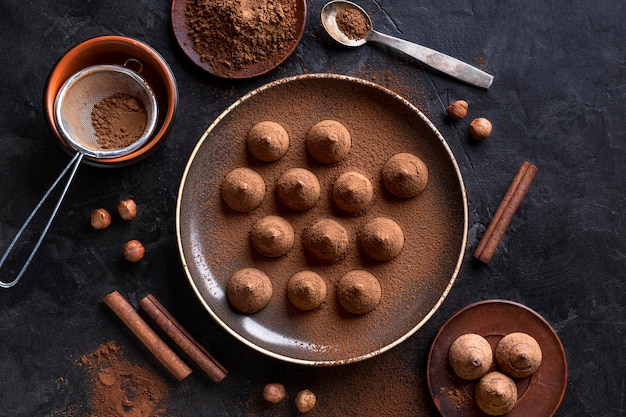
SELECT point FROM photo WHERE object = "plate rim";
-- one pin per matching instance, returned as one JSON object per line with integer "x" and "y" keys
{"x": 413, "y": 109}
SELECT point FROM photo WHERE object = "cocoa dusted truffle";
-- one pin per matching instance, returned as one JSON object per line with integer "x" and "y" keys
{"x": 470, "y": 356}
{"x": 328, "y": 141}
{"x": 381, "y": 239}
{"x": 306, "y": 290}
{"x": 359, "y": 292}
{"x": 352, "y": 192}
{"x": 243, "y": 189}
{"x": 496, "y": 394}
{"x": 298, "y": 189}
{"x": 267, "y": 141}
{"x": 326, "y": 240}
{"x": 272, "y": 236}
{"x": 249, "y": 290}
{"x": 405, "y": 175}
{"x": 518, "y": 355}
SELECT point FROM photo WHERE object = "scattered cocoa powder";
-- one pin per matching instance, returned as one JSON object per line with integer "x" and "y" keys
{"x": 388, "y": 385}
{"x": 457, "y": 396}
{"x": 233, "y": 34}
{"x": 120, "y": 388}
{"x": 381, "y": 126}
{"x": 352, "y": 23}
{"x": 119, "y": 121}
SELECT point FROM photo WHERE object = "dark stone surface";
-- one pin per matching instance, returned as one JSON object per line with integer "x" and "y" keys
{"x": 557, "y": 101}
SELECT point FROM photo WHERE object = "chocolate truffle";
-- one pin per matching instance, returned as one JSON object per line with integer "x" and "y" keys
{"x": 328, "y": 141}
{"x": 352, "y": 192}
{"x": 243, "y": 189}
{"x": 381, "y": 239}
{"x": 518, "y": 355}
{"x": 470, "y": 356}
{"x": 358, "y": 292}
{"x": 249, "y": 290}
{"x": 405, "y": 175}
{"x": 272, "y": 236}
{"x": 496, "y": 394}
{"x": 306, "y": 290}
{"x": 326, "y": 240}
{"x": 298, "y": 189}
{"x": 267, "y": 141}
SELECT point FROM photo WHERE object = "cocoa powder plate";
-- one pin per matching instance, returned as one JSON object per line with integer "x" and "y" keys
{"x": 222, "y": 66}
{"x": 214, "y": 240}
{"x": 540, "y": 394}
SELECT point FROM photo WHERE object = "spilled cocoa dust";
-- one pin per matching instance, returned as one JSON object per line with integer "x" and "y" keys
{"x": 120, "y": 388}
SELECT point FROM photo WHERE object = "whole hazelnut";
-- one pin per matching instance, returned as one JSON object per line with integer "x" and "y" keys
{"x": 305, "y": 401}
{"x": 274, "y": 392}
{"x": 127, "y": 209}
{"x": 480, "y": 128}
{"x": 457, "y": 110}
{"x": 133, "y": 251}
{"x": 100, "y": 218}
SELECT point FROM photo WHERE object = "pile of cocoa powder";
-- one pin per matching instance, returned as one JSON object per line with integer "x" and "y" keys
{"x": 121, "y": 388}
{"x": 380, "y": 126}
{"x": 352, "y": 23}
{"x": 233, "y": 34}
{"x": 119, "y": 121}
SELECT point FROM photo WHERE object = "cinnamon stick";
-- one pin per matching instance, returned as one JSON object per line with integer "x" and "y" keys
{"x": 185, "y": 341}
{"x": 505, "y": 212}
{"x": 161, "y": 351}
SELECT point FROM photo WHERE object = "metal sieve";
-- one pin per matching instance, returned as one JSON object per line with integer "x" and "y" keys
{"x": 73, "y": 106}
{"x": 78, "y": 96}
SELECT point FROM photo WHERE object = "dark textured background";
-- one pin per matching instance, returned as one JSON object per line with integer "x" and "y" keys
{"x": 558, "y": 101}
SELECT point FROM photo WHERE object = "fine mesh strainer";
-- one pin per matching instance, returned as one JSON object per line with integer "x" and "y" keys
{"x": 72, "y": 110}
{"x": 78, "y": 96}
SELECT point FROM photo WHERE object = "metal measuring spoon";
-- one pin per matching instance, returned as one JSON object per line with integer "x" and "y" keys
{"x": 444, "y": 63}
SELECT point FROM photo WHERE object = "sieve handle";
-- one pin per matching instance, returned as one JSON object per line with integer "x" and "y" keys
{"x": 73, "y": 165}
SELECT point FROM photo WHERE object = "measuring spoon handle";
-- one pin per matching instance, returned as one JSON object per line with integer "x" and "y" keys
{"x": 442, "y": 62}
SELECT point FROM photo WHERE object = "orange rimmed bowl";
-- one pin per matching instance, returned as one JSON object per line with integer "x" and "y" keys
{"x": 117, "y": 50}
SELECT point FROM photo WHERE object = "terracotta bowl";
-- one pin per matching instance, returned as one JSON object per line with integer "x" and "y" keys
{"x": 116, "y": 50}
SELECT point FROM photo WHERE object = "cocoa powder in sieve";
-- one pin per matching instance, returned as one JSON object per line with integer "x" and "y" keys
{"x": 119, "y": 121}
{"x": 233, "y": 34}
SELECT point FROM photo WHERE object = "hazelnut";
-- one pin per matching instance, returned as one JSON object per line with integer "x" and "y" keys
{"x": 457, "y": 110}
{"x": 100, "y": 219}
{"x": 305, "y": 401}
{"x": 480, "y": 128}
{"x": 274, "y": 392}
{"x": 133, "y": 251}
{"x": 127, "y": 209}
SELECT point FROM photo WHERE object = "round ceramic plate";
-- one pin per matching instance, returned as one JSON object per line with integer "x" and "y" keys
{"x": 181, "y": 33}
{"x": 214, "y": 240}
{"x": 538, "y": 395}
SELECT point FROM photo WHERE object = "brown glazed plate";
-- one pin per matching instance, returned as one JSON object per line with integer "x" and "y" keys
{"x": 538, "y": 395}
{"x": 214, "y": 241}
{"x": 181, "y": 33}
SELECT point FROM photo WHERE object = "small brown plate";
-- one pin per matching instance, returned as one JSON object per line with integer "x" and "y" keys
{"x": 181, "y": 32}
{"x": 538, "y": 395}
